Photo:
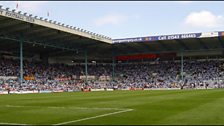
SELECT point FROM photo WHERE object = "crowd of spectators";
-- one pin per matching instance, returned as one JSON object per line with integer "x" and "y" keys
{"x": 167, "y": 74}
{"x": 159, "y": 74}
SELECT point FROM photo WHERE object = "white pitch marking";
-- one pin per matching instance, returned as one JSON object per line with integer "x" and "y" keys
{"x": 55, "y": 107}
{"x": 1, "y": 123}
{"x": 93, "y": 117}
{"x": 122, "y": 110}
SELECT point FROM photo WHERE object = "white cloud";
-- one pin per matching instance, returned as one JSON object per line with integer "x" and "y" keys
{"x": 204, "y": 19}
{"x": 113, "y": 19}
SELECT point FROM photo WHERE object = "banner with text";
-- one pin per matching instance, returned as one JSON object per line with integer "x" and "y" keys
{"x": 169, "y": 37}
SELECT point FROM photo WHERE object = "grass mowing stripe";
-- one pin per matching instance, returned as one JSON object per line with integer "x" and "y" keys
{"x": 179, "y": 104}
{"x": 203, "y": 114}
{"x": 93, "y": 117}
{"x": 56, "y": 107}
{"x": 150, "y": 107}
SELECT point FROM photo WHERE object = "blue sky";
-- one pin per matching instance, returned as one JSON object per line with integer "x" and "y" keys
{"x": 125, "y": 19}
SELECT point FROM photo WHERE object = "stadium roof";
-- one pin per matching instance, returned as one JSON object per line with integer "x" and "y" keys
{"x": 46, "y": 37}
{"x": 46, "y": 33}
{"x": 172, "y": 43}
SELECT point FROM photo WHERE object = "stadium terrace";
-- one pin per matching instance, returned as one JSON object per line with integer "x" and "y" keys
{"x": 166, "y": 79}
{"x": 40, "y": 55}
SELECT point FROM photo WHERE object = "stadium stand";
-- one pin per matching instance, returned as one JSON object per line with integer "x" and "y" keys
{"x": 160, "y": 74}
{"x": 40, "y": 56}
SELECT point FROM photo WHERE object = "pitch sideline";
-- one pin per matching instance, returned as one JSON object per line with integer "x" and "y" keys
{"x": 121, "y": 110}
{"x": 93, "y": 117}
{"x": 1, "y": 123}
{"x": 56, "y": 107}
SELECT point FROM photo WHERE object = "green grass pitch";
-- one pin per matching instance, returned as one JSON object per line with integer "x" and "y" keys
{"x": 115, "y": 108}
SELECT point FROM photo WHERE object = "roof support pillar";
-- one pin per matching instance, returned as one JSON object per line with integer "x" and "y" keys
{"x": 86, "y": 68}
{"x": 182, "y": 65}
{"x": 182, "y": 68}
{"x": 113, "y": 67}
{"x": 21, "y": 60}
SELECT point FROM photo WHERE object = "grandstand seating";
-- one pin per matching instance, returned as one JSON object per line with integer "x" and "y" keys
{"x": 159, "y": 74}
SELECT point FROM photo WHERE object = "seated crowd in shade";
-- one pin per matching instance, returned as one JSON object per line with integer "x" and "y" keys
{"x": 160, "y": 74}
